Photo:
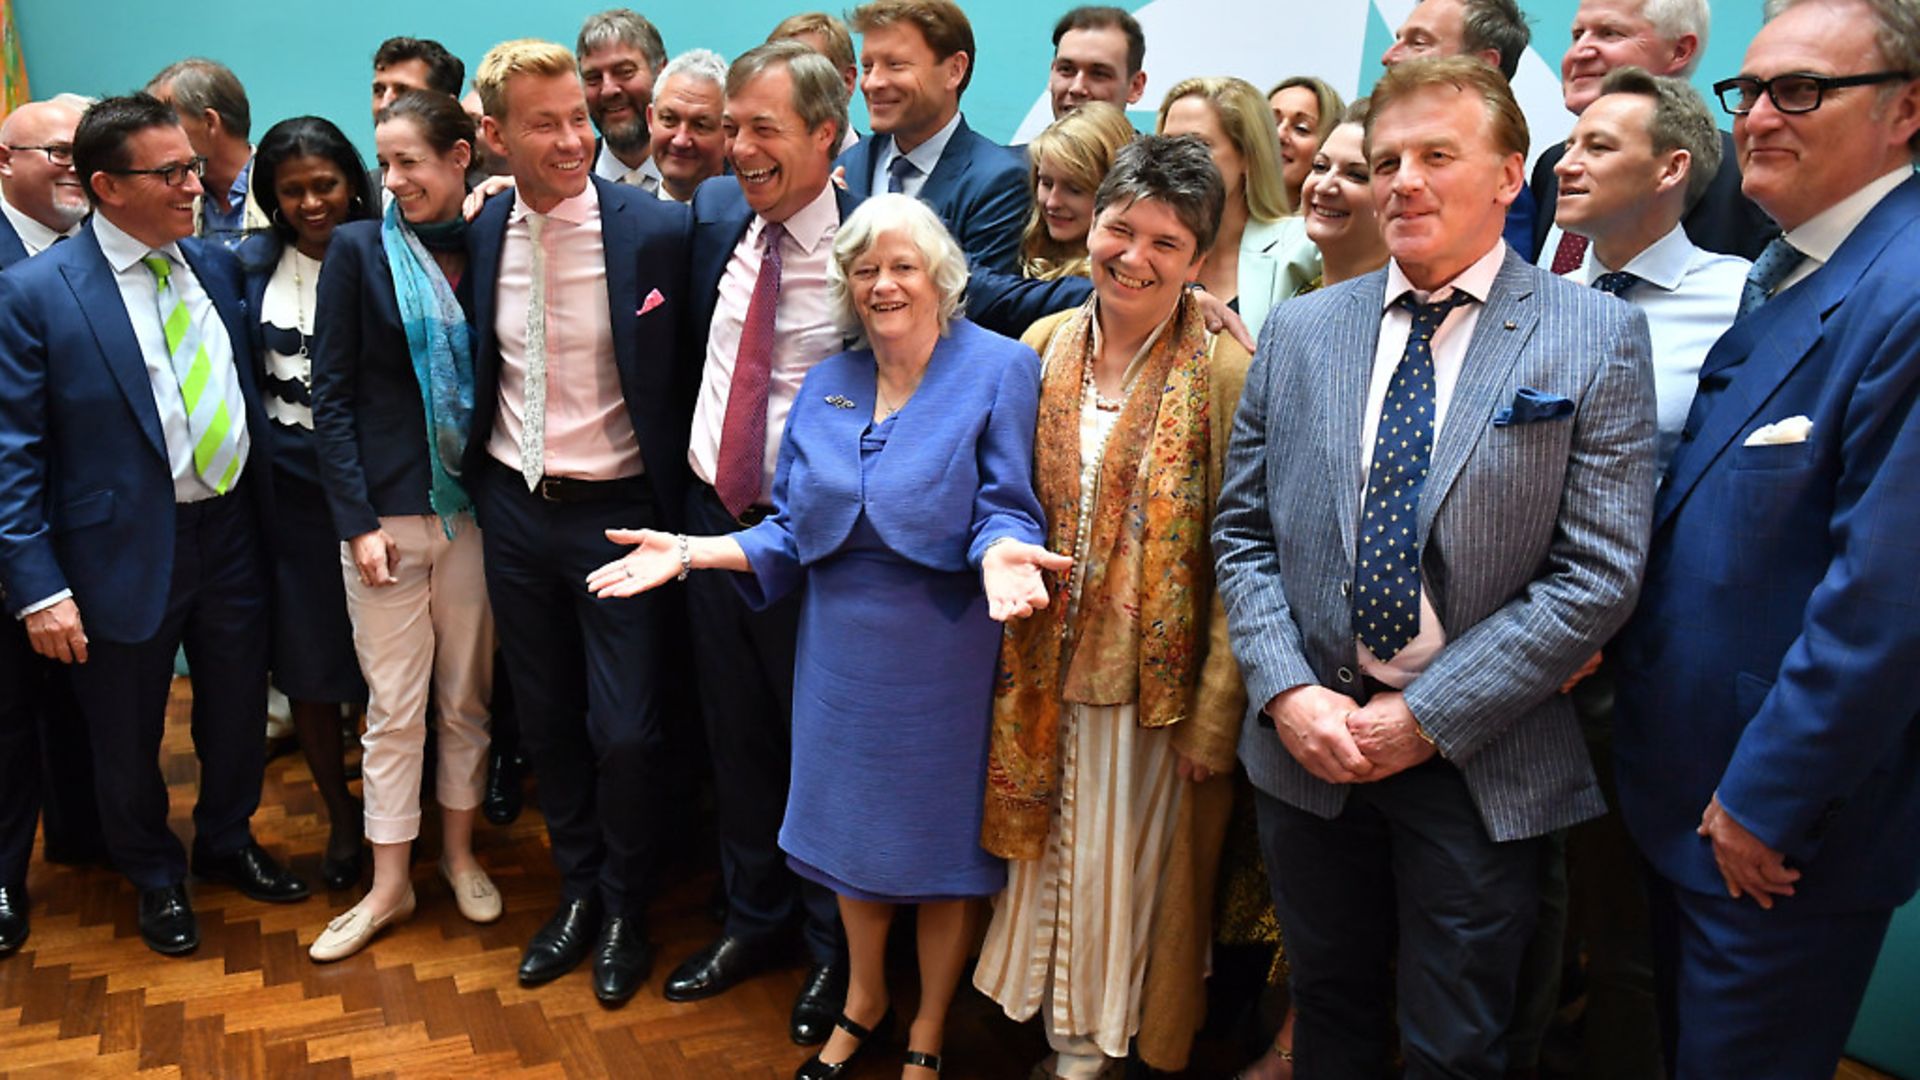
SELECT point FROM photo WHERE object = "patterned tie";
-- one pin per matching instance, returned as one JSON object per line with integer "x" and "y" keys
{"x": 1775, "y": 265}
{"x": 1566, "y": 257}
{"x": 533, "y": 418}
{"x": 743, "y": 433}
{"x": 898, "y": 172}
{"x": 1386, "y": 597}
{"x": 1616, "y": 282}
{"x": 204, "y": 385}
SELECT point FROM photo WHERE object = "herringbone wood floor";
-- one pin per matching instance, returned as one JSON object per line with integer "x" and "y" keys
{"x": 434, "y": 997}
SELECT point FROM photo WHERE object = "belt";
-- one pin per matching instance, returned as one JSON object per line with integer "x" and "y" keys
{"x": 572, "y": 489}
{"x": 746, "y": 519}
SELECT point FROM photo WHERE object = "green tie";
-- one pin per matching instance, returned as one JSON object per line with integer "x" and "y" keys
{"x": 203, "y": 386}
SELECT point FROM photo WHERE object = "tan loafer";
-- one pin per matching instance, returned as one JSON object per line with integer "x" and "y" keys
{"x": 349, "y": 933}
{"x": 478, "y": 900}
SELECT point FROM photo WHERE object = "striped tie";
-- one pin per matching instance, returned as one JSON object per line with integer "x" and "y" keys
{"x": 203, "y": 384}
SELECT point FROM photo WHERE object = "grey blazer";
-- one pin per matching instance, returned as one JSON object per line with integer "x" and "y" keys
{"x": 1533, "y": 525}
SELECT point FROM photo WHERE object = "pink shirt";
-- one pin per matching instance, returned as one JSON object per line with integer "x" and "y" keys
{"x": 589, "y": 431}
{"x": 804, "y": 332}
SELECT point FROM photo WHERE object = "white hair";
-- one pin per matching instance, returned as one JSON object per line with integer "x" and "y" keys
{"x": 702, "y": 64}
{"x": 1674, "y": 19}
{"x": 904, "y": 214}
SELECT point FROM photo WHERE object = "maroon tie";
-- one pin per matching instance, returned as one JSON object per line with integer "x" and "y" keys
{"x": 743, "y": 435}
{"x": 1566, "y": 257}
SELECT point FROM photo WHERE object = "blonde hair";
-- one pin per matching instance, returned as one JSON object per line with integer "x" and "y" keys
{"x": 1247, "y": 119}
{"x": 874, "y": 218}
{"x": 1081, "y": 145}
{"x": 1505, "y": 122}
{"x": 524, "y": 56}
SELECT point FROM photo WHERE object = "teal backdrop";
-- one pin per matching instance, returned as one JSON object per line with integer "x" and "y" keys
{"x": 315, "y": 57}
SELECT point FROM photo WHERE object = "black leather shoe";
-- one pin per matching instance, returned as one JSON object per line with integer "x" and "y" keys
{"x": 560, "y": 945}
{"x": 342, "y": 873}
{"x": 253, "y": 872}
{"x": 13, "y": 917}
{"x": 503, "y": 798}
{"x": 167, "y": 924}
{"x": 822, "y": 996}
{"x": 621, "y": 961}
{"x": 716, "y": 969}
{"x": 815, "y": 1069}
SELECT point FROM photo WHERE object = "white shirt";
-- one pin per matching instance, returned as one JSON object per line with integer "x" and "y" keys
{"x": 34, "y": 236}
{"x": 924, "y": 158}
{"x": 645, "y": 175}
{"x": 803, "y": 330}
{"x": 1689, "y": 296}
{"x": 1822, "y": 234}
{"x": 1449, "y": 347}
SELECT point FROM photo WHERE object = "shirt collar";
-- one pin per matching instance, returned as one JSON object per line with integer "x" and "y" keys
{"x": 1662, "y": 264}
{"x": 927, "y": 154}
{"x": 809, "y": 226}
{"x": 35, "y": 236}
{"x": 1822, "y": 234}
{"x": 577, "y": 210}
{"x": 123, "y": 251}
{"x": 1476, "y": 280}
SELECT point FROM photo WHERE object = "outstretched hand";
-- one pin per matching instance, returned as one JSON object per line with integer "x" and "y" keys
{"x": 654, "y": 560}
{"x": 1011, "y": 575}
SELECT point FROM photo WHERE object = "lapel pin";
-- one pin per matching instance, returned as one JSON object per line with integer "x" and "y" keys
{"x": 839, "y": 402}
{"x": 1511, "y": 326}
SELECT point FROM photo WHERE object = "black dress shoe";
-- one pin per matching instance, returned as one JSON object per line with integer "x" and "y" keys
{"x": 621, "y": 961}
{"x": 253, "y": 872}
{"x": 815, "y": 1069}
{"x": 167, "y": 924}
{"x": 822, "y": 996}
{"x": 342, "y": 873}
{"x": 562, "y": 943}
{"x": 13, "y": 917}
{"x": 718, "y": 968}
{"x": 503, "y": 797}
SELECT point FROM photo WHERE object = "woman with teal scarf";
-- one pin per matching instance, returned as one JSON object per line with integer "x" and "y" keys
{"x": 392, "y": 402}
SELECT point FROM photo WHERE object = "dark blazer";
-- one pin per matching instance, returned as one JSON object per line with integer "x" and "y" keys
{"x": 720, "y": 218}
{"x": 957, "y": 473}
{"x": 1772, "y": 658}
{"x": 369, "y": 424}
{"x": 978, "y": 187}
{"x": 647, "y": 244}
{"x": 86, "y": 491}
{"x": 1723, "y": 221}
{"x": 12, "y": 250}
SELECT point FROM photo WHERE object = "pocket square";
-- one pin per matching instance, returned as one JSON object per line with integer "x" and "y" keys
{"x": 1531, "y": 406}
{"x": 1794, "y": 429}
{"x": 653, "y": 300}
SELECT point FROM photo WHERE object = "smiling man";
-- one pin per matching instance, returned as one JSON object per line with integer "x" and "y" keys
{"x": 579, "y": 293}
{"x": 689, "y": 143}
{"x": 621, "y": 55}
{"x": 1098, "y": 55}
{"x": 1406, "y": 599}
{"x": 1768, "y": 746}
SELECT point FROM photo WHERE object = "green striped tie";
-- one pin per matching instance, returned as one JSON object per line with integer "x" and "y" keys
{"x": 203, "y": 385}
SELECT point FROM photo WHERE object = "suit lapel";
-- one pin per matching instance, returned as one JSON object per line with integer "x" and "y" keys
{"x": 98, "y": 296}
{"x": 953, "y": 163}
{"x": 858, "y": 162}
{"x": 1347, "y": 401}
{"x": 620, "y": 239}
{"x": 487, "y": 238}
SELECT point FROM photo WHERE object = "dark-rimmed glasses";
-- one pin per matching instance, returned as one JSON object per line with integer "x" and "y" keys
{"x": 59, "y": 154}
{"x": 1794, "y": 92}
{"x": 171, "y": 175}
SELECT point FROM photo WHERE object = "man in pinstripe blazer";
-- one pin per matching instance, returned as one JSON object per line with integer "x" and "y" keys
{"x": 1435, "y": 509}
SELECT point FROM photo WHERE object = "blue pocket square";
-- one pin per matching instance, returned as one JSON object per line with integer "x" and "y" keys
{"x": 1531, "y": 406}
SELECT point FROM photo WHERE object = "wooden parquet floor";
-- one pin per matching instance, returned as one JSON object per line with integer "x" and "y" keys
{"x": 434, "y": 997}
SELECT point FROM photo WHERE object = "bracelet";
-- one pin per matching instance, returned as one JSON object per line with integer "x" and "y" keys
{"x": 686, "y": 559}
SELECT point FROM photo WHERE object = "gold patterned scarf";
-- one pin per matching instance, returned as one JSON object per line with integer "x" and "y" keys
{"x": 1138, "y": 628}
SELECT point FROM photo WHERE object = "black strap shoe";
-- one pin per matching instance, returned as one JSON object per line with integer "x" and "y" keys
{"x": 503, "y": 797}
{"x": 253, "y": 872}
{"x": 621, "y": 961}
{"x": 815, "y": 1069}
{"x": 167, "y": 924}
{"x": 13, "y": 918}
{"x": 560, "y": 945}
{"x": 924, "y": 1061}
{"x": 719, "y": 967}
{"x": 822, "y": 995}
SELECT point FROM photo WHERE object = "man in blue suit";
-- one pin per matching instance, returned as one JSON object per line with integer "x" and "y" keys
{"x": 1767, "y": 734}
{"x": 579, "y": 426}
{"x": 131, "y": 504}
{"x": 917, "y": 58}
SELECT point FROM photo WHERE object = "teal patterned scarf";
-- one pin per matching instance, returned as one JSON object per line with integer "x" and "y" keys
{"x": 442, "y": 348}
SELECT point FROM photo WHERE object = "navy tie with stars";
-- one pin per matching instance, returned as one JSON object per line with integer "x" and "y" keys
{"x": 1386, "y": 596}
{"x": 1616, "y": 282}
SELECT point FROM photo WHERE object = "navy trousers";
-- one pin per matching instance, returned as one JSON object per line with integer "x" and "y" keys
{"x": 46, "y": 769}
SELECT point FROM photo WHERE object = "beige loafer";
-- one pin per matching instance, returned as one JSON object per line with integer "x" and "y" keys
{"x": 349, "y": 933}
{"x": 475, "y": 895}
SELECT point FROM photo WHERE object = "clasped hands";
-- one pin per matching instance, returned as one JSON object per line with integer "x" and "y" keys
{"x": 1343, "y": 742}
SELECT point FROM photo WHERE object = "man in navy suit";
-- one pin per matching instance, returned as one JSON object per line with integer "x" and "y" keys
{"x": 785, "y": 109}
{"x": 579, "y": 426}
{"x": 130, "y": 507}
{"x": 1767, "y": 734}
{"x": 918, "y": 58}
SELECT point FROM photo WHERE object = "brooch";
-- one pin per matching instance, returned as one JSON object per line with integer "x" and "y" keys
{"x": 839, "y": 402}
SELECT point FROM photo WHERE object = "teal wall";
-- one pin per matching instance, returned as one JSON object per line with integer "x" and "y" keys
{"x": 315, "y": 56}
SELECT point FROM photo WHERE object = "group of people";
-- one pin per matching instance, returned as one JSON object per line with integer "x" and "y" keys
{"x": 1302, "y": 481}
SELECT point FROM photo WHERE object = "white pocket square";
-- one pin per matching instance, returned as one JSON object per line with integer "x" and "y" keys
{"x": 1794, "y": 429}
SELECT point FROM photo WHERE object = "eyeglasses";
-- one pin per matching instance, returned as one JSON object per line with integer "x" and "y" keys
{"x": 171, "y": 175}
{"x": 60, "y": 154}
{"x": 1794, "y": 92}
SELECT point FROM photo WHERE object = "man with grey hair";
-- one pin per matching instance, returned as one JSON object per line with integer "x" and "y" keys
{"x": 1766, "y": 737}
{"x": 214, "y": 113}
{"x": 761, "y": 248}
{"x": 620, "y": 55}
{"x": 683, "y": 122}
{"x": 1663, "y": 37}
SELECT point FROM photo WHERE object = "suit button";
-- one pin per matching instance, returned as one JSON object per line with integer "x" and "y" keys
{"x": 1344, "y": 675}
{"x": 1686, "y": 434}
{"x": 1346, "y": 588}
